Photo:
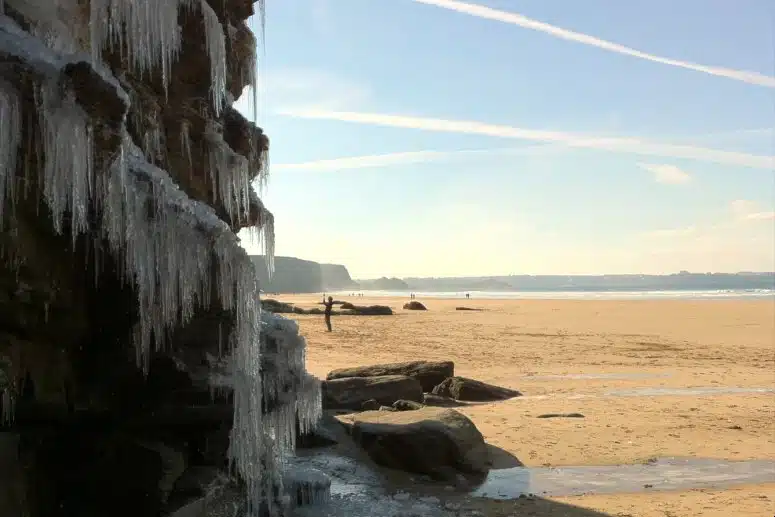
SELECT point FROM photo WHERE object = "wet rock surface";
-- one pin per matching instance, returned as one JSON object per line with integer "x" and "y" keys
{"x": 432, "y": 441}
{"x": 427, "y": 373}
{"x": 352, "y": 392}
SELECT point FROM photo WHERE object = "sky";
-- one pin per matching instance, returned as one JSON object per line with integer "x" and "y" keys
{"x": 450, "y": 138}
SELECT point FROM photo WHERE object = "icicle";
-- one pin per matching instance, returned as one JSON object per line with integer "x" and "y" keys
{"x": 268, "y": 239}
{"x": 148, "y": 32}
{"x": 152, "y": 144}
{"x": 8, "y": 405}
{"x": 10, "y": 136}
{"x": 229, "y": 174}
{"x": 67, "y": 172}
{"x": 310, "y": 486}
{"x": 166, "y": 256}
{"x": 216, "y": 50}
{"x": 185, "y": 141}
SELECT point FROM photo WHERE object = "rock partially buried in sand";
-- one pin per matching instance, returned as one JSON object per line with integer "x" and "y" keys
{"x": 407, "y": 405}
{"x": 434, "y": 441}
{"x": 414, "y": 306}
{"x": 352, "y": 392}
{"x": 461, "y": 388}
{"x": 427, "y": 373}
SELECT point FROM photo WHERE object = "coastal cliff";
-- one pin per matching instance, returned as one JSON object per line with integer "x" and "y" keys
{"x": 293, "y": 275}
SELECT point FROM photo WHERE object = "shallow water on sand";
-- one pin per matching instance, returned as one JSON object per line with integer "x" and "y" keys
{"x": 663, "y": 474}
{"x": 599, "y": 376}
{"x": 358, "y": 489}
{"x": 706, "y": 391}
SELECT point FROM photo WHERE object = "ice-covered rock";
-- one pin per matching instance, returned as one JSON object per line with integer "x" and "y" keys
{"x": 124, "y": 174}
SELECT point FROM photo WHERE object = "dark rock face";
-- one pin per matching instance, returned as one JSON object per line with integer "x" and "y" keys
{"x": 352, "y": 392}
{"x": 461, "y": 388}
{"x": 414, "y": 305}
{"x": 428, "y": 373}
{"x": 432, "y": 441}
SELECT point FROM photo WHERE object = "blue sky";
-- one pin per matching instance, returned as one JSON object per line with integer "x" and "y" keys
{"x": 437, "y": 138}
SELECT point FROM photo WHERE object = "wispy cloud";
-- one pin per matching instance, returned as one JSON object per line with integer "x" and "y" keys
{"x": 747, "y": 210}
{"x": 406, "y": 158}
{"x": 672, "y": 232}
{"x": 743, "y": 215}
{"x": 666, "y": 173}
{"x": 481, "y": 11}
{"x": 614, "y": 144}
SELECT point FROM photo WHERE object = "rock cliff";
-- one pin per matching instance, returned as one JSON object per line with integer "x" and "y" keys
{"x": 293, "y": 275}
{"x": 133, "y": 368}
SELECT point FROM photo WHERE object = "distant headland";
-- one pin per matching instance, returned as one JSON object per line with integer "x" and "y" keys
{"x": 294, "y": 275}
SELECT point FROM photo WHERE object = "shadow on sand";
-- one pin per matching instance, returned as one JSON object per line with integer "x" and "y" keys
{"x": 536, "y": 507}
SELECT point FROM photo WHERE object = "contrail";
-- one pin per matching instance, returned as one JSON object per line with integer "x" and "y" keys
{"x": 405, "y": 158}
{"x": 614, "y": 144}
{"x": 517, "y": 19}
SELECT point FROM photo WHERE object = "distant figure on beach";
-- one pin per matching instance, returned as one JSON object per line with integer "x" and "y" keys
{"x": 327, "y": 314}
{"x": 468, "y": 296}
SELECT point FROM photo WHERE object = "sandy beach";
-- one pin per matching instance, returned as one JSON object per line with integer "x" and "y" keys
{"x": 615, "y": 362}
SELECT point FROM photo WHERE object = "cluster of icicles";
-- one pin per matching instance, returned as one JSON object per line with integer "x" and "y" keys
{"x": 168, "y": 244}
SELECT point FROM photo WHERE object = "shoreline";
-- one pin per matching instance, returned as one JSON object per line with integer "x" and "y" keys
{"x": 555, "y": 295}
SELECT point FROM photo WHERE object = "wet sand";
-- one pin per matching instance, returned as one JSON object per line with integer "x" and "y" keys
{"x": 624, "y": 365}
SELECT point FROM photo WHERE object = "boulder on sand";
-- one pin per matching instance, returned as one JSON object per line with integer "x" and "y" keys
{"x": 372, "y": 310}
{"x": 352, "y": 392}
{"x": 433, "y": 441}
{"x": 461, "y": 388}
{"x": 414, "y": 305}
{"x": 428, "y": 373}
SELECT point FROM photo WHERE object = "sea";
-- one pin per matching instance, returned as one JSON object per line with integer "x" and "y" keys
{"x": 717, "y": 294}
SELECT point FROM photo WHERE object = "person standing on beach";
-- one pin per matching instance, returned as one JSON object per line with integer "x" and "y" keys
{"x": 327, "y": 314}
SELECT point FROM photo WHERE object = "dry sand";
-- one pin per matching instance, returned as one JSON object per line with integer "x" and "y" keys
{"x": 522, "y": 343}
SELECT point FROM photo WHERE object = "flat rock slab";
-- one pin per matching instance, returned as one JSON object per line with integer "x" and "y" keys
{"x": 352, "y": 392}
{"x": 438, "y": 442}
{"x": 461, "y": 388}
{"x": 428, "y": 373}
{"x": 429, "y": 399}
